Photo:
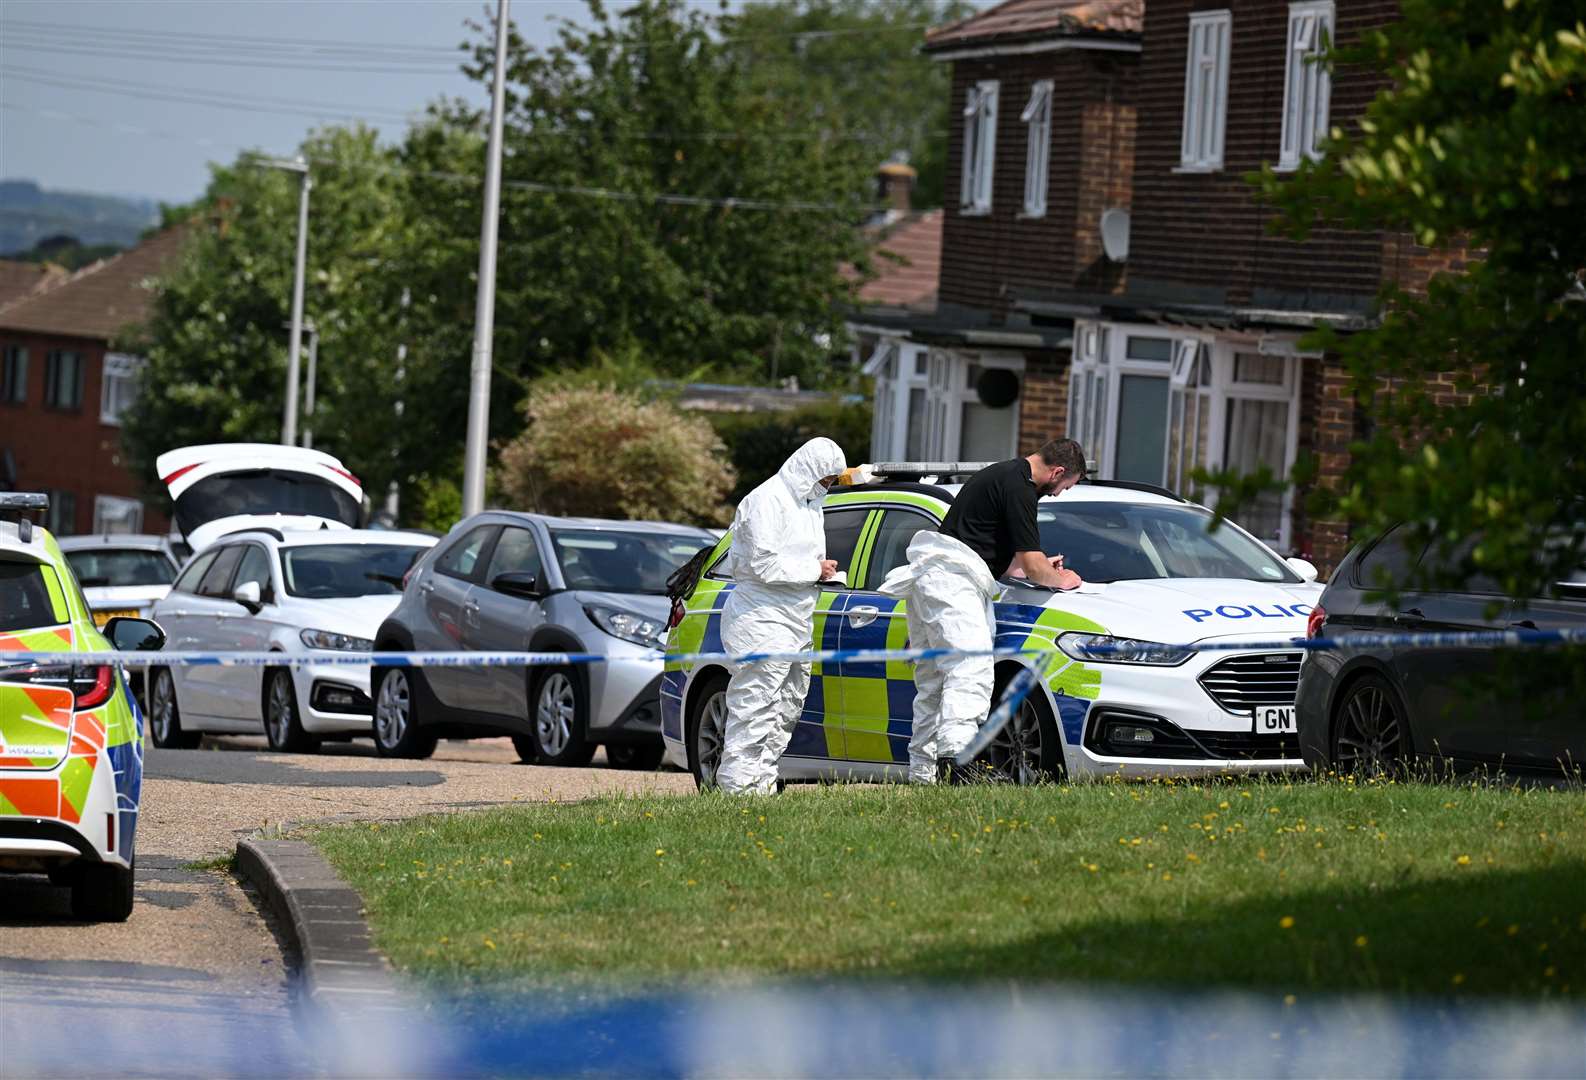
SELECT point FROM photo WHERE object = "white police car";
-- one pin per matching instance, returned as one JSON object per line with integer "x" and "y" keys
{"x": 1156, "y": 575}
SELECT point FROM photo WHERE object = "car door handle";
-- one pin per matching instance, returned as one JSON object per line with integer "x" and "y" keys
{"x": 863, "y": 615}
{"x": 1409, "y": 617}
{"x": 427, "y": 587}
{"x": 1523, "y": 624}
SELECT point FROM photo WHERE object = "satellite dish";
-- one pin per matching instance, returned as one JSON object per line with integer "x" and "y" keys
{"x": 997, "y": 388}
{"x": 1115, "y": 234}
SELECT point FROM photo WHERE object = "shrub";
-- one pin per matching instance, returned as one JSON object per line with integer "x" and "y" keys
{"x": 602, "y": 452}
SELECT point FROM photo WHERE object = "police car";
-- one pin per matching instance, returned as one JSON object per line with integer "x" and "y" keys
{"x": 1117, "y": 698}
{"x": 71, "y": 736}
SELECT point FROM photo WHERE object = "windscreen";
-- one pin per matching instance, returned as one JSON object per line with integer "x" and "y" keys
{"x": 24, "y": 598}
{"x": 327, "y": 571}
{"x": 120, "y": 566}
{"x": 629, "y": 562}
{"x": 1104, "y": 542}
{"x": 263, "y": 491}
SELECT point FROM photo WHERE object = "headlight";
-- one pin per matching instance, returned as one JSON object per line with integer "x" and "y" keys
{"x": 1102, "y": 648}
{"x": 326, "y": 639}
{"x": 639, "y": 629}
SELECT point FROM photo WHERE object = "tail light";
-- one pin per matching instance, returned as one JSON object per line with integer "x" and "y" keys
{"x": 1313, "y": 625}
{"x": 90, "y": 686}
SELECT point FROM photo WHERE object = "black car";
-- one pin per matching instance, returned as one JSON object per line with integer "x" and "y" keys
{"x": 1369, "y": 708}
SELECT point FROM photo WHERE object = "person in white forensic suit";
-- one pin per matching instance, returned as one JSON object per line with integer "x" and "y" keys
{"x": 778, "y": 562}
{"x": 950, "y": 582}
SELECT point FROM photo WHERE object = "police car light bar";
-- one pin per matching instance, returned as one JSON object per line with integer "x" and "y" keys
{"x": 899, "y": 469}
{"x": 21, "y": 501}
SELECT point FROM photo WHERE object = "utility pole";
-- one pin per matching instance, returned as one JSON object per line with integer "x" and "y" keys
{"x": 308, "y": 406}
{"x": 289, "y": 414}
{"x": 485, "y": 311}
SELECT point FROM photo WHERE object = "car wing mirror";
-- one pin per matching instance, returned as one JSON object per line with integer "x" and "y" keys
{"x": 247, "y": 594}
{"x": 519, "y": 584}
{"x": 127, "y": 634}
{"x": 1303, "y": 567}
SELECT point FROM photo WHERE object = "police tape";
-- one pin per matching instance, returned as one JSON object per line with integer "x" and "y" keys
{"x": 1095, "y": 648}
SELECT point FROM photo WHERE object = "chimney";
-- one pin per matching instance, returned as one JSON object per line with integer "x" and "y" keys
{"x": 895, "y": 185}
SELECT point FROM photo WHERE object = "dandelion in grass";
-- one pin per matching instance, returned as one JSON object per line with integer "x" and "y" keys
{"x": 1463, "y": 860}
{"x": 1287, "y": 922}
{"x": 1361, "y": 941}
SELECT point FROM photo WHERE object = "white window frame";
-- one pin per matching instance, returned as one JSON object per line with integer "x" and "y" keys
{"x": 119, "y": 509}
{"x": 118, "y": 387}
{"x": 889, "y": 433}
{"x": 980, "y": 147}
{"x": 1205, "y": 91}
{"x": 1307, "y": 84}
{"x": 948, "y": 391}
{"x": 1037, "y": 118}
{"x": 1101, "y": 362}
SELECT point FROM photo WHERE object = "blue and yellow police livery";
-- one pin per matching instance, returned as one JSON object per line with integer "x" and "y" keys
{"x": 1157, "y": 575}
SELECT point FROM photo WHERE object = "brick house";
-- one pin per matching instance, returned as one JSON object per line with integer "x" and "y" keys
{"x": 62, "y": 390}
{"x": 1168, "y": 317}
{"x": 1040, "y": 138}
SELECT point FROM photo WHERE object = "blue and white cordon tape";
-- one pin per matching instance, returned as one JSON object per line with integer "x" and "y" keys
{"x": 1019, "y": 688}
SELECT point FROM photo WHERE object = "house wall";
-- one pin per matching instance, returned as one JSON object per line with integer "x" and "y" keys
{"x": 1092, "y": 106}
{"x": 1208, "y": 231}
{"x": 74, "y": 451}
{"x": 1043, "y": 400}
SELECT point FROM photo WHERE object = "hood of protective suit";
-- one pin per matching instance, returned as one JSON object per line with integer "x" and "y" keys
{"x": 808, "y": 465}
{"x": 777, "y": 535}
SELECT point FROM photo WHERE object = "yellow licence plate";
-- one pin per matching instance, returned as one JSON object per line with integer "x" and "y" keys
{"x": 102, "y": 617}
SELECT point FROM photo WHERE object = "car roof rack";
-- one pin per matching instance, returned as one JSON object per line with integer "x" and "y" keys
{"x": 17, "y": 506}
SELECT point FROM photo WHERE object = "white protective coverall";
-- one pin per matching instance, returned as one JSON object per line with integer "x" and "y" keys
{"x": 949, "y": 592}
{"x": 778, "y": 542}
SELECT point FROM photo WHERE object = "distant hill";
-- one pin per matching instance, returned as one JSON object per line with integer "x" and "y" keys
{"x": 29, "y": 213}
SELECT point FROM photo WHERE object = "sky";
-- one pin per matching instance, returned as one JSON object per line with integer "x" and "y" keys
{"x": 136, "y": 97}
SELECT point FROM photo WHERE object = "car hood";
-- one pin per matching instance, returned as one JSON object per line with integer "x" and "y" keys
{"x": 356, "y": 616}
{"x": 651, "y": 607}
{"x": 1179, "y": 610}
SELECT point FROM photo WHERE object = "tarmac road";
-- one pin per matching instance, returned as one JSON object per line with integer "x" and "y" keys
{"x": 199, "y": 964}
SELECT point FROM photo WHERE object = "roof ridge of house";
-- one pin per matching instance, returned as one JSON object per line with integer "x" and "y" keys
{"x": 971, "y": 17}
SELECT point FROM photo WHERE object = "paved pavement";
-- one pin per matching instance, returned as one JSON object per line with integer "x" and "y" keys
{"x": 199, "y": 963}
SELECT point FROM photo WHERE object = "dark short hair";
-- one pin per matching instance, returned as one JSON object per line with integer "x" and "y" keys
{"x": 1064, "y": 452}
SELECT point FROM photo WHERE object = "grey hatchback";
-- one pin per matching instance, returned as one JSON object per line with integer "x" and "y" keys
{"x": 503, "y": 581}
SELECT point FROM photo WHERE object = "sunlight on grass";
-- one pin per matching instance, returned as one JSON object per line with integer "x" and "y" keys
{"x": 1330, "y": 885}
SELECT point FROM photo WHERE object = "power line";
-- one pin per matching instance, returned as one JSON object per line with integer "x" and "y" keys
{"x": 47, "y": 28}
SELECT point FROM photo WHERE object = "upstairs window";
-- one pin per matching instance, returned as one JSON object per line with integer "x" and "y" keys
{"x": 1307, "y": 86}
{"x": 980, "y": 147}
{"x": 119, "y": 387}
{"x": 14, "y": 375}
{"x": 1037, "y": 117}
{"x": 63, "y": 379}
{"x": 1205, "y": 91}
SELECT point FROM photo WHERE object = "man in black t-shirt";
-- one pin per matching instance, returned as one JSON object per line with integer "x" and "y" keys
{"x": 950, "y": 582}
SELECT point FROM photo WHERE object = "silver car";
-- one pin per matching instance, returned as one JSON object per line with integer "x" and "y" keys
{"x": 506, "y": 581}
{"x": 122, "y": 573}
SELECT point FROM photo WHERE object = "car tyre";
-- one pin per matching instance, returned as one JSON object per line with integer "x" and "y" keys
{"x": 283, "y": 727}
{"x": 639, "y": 757}
{"x": 165, "y": 717}
{"x": 705, "y": 733}
{"x": 1028, "y": 750}
{"x": 1370, "y": 731}
{"x": 102, "y": 892}
{"x": 524, "y": 745}
{"x": 559, "y": 720}
{"x": 396, "y": 730}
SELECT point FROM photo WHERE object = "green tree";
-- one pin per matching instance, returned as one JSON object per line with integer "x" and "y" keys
{"x": 601, "y": 452}
{"x": 1477, "y": 144}
{"x": 857, "y": 65}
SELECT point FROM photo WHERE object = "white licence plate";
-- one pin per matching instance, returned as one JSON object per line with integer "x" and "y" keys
{"x": 1275, "y": 720}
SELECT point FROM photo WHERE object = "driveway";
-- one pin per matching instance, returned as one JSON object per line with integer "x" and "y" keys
{"x": 199, "y": 963}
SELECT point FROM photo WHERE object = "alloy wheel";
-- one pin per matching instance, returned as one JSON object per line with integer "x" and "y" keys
{"x": 711, "y": 738}
{"x": 163, "y": 699}
{"x": 1015, "y": 753}
{"x": 553, "y": 715}
{"x": 393, "y": 708}
{"x": 1370, "y": 736}
{"x": 279, "y": 714}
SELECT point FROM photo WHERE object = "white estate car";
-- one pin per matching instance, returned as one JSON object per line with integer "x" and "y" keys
{"x": 308, "y": 591}
{"x": 1156, "y": 575}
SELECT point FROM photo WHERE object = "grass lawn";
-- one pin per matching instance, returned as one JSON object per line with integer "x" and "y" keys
{"x": 1289, "y": 887}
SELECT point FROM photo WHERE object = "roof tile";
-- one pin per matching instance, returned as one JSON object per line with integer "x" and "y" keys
{"x": 99, "y": 300}
{"x": 1016, "y": 20}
